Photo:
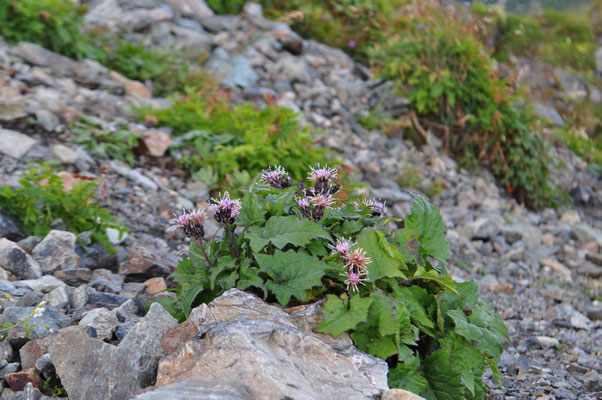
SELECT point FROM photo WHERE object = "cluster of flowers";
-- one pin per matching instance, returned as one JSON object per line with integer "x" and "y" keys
{"x": 224, "y": 209}
{"x": 356, "y": 263}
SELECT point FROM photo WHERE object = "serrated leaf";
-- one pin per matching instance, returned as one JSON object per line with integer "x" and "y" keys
{"x": 425, "y": 226}
{"x": 444, "y": 281}
{"x": 409, "y": 297}
{"x": 386, "y": 260}
{"x": 341, "y": 316}
{"x": 485, "y": 340}
{"x": 248, "y": 277}
{"x": 251, "y": 211}
{"x": 444, "y": 382}
{"x": 408, "y": 376}
{"x": 376, "y": 335}
{"x": 468, "y": 360}
{"x": 281, "y": 231}
{"x": 291, "y": 274}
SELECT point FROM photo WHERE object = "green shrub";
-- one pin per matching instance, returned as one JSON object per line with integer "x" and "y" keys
{"x": 169, "y": 71}
{"x": 226, "y": 6}
{"x": 231, "y": 144}
{"x": 388, "y": 289}
{"x": 54, "y": 24}
{"x": 42, "y": 199}
{"x": 446, "y": 74}
{"x": 517, "y": 35}
{"x": 116, "y": 142}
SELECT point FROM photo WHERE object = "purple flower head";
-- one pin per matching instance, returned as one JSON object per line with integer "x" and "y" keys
{"x": 191, "y": 223}
{"x": 225, "y": 210}
{"x": 354, "y": 278}
{"x": 322, "y": 174}
{"x": 351, "y": 43}
{"x": 277, "y": 178}
{"x": 376, "y": 206}
{"x": 358, "y": 260}
{"x": 303, "y": 202}
{"x": 322, "y": 200}
{"x": 342, "y": 247}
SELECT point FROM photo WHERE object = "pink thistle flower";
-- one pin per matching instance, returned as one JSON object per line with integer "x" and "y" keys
{"x": 322, "y": 200}
{"x": 354, "y": 279}
{"x": 351, "y": 43}
{"x": 342, "y": 247}
{"x": 277, "y": 178}
{"x": 191, "y": 223}
{"x": 322, "y": 174}
{"x": 225, "y": 210}
{"x": 375, "y": 205}
{"x": 357, "y": 259}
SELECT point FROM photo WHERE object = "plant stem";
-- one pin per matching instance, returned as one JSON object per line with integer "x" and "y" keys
{"x": 199, "y": 244}
{"x": 231, "y": 240}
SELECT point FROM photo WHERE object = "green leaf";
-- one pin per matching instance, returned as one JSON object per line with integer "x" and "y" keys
{"x": 291, "y": 274}
{"x": 444, "y": 281}
{"x": 281, "y": 231}
{"x": 468, "y": 360}
{"x": 444, "y": 382}
{"x": 224, "y": 264}
{"x": 408, "y": 376}
{"x": 248, "y": 277}
{"x": 425, "y": 226}
{"x": 485, "y": 340}
{"x": 251, "y": 211}
{"x": 375, "y": 336}
{"x": 341, "y": 316}
{"x": 386, "y": 259}
{"x": 411, "y": 298}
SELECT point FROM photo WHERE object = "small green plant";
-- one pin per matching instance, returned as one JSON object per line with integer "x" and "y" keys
{"x": 53, "y": 386}
{"x": 226, "y": 6}
{"x": 42, "y": 199}
{"x": 388, "y": 289}
{"x": 231, "y": 144}
{"x": 54, "y": 24}
{"x": 589, "y": 149}
{"x": 169, "y": 71}
{"x": 448, "y": 77}
{"x": 115, "y": 141}
{"x": 24, "y": 326}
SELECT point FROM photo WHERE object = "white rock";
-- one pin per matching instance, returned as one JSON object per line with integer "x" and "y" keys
{"x": 15, "y": 144}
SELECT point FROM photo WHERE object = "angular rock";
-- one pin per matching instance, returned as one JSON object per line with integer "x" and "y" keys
{"x": 14, "y": 144}
{"x": 174, "y": 338}
{"x": 45, "y": 284}
{"x": 57, "y": 250}
{"x": 146, "y": 262}
{"x": 557, "y": 267}
{"x": 101, "y": 319}
{"x": 548, "y": 113}
{"x": 108, "y": 300}
{"x": 17, "y": 381}
{"x": 44, "y": 366}
{"x": 586, "y": 233}
{"x": 266, "y": 352}
{"x": 97, "y": 256}
{"x": 132, "y": 88}
{"x": 290, "y": 40}
{"x": 10, "y": 228}
{"x": 104, "y": 280}
{"x": 155, "y": 285}
{"x": 231, "y": 70}
{"x": 194, "y": 9}
{"x": 400, "y": 394}
{"x": 58, "y": 298}
{"x": 155, "y": 143}
{"x": 73, "y": 276}
{"x": 91, "y": 369}
{"x": 80, "y": 296}
{"x": 30, "y": 353}
{"x": 65, "y": 154}
{"x": 6, "y": 353}
{"x": 37, "y": 55}
{"x": 198, "y": 390}
{"x": 17, "y": 261}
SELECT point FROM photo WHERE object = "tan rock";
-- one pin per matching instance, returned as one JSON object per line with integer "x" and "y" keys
{"x": 174, "y": 338}
{"x": 400, "y": 394}
{"x": 155, "y": 143}
{"x": 557, "y": 267}
{"x": 155, "y": 285}
{"x": 132, "y": 88}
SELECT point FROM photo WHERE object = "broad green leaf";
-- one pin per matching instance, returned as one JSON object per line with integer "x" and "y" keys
{"x": 376, "y": 335}
{"x": 485, "y": 340}
{"x": 407, "y": 333}
{"x": 316, "y": 249}
{"x": 468, "y": 360}
{"x": 251, "y": 211}
{"x": 291, "y": 274}
{"x": 248, "y": 277}
{"x": 224, "y": 264}
{"x": 281, "y": 231}
{"x": 444, "y": 381}
{"x": 415, "y": 306}
{"x": 408, "y": 376}
{"x": 351, "y": 227}
{"x": 386, "y": 260}
{"x": 425, "y": 226}
{"x": 341, "y": 316}
{"x": 444, "y": 281}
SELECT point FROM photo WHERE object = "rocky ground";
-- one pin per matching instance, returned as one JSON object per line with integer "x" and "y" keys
{"x": 540, "y": 270}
